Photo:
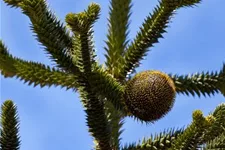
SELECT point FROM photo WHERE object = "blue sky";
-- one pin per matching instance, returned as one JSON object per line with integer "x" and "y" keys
{"x": 53, "y": 118}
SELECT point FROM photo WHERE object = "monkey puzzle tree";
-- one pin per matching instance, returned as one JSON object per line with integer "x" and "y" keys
{"x": 108, "y": 93}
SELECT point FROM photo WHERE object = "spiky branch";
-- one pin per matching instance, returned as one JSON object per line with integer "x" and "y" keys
{"x": 216, "y": 144}
{"x": 49, "y": 32}
{"x": 120, "y": 11}
{"x": 150, "y": 32}
{"x": 116, "y": 121}
{"x": 81, "y": 25}
{"x": 203, "y": 130}
{"x": 160, "y": 141}
{"x": 102, "y": 90}
{"x": 118, "y": 25}
{"x": 9, "y": 139}
{"x": 214, "y": 136}
{"x": 97, "y": 122}
{"x": 34, "y": 73}
{"x": 53, "y": 35}
{"x": 200, "y": 130}
{"x": 200, "y": 83}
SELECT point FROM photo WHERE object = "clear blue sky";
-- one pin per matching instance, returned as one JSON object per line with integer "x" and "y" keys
{"x": 53, "y": 118}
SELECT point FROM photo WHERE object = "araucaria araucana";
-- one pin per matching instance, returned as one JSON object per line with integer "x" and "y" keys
{"x": 108, "y": 92}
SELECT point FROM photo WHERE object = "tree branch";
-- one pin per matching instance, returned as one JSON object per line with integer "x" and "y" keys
{"x": 49, "y": 31}
{"x": 33, "y": 72}
{"x": 150, "y": 32}
{"x": 189, "y": 139}
{"x": 97, "y": 122}
{"x": 9, "y": 139}
{"x": 162, "y": 141}
{"x": 120, "y": 12}
{"x": 200, "y": 83}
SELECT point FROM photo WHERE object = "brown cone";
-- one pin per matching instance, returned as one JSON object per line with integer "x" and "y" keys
{"x": 150, "y": 95}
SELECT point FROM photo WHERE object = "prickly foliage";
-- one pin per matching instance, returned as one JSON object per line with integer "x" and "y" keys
{"x": 200, "y": 83}
{"x": 151, "y": 30}
{"x": 9, "y": 136}
{"x": 103, "y": 89}
{"x": 162, "y": 141}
